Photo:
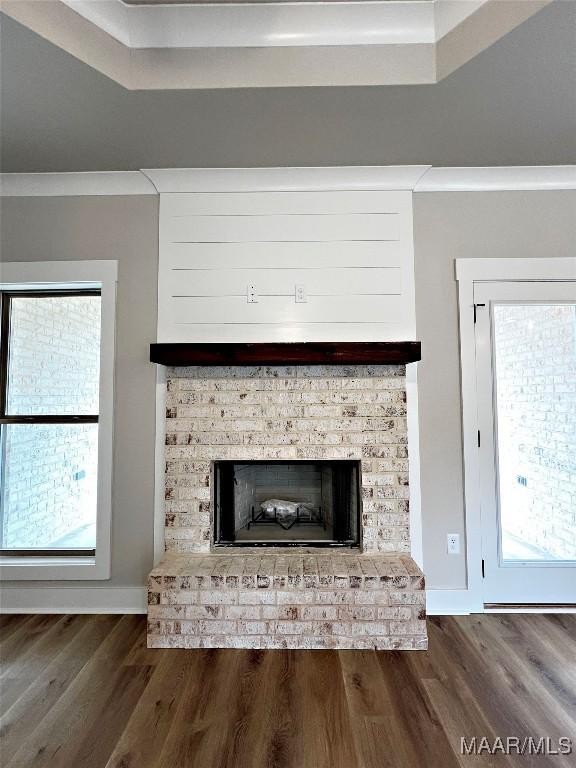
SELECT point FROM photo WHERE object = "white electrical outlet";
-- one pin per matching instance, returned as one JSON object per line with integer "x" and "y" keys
{"x": 251, "y": 294}
{"x": 453, "y": 543}
{"x": 300, "y": 294}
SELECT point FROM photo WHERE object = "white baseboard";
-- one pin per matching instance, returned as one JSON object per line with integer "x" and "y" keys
{"x": 73, "y": 600}
{"x": 439, "y": 602}
{"x": 451, "y": 602}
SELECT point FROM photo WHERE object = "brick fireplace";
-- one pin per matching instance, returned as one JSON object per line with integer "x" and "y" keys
{"x": 310, "y": 596}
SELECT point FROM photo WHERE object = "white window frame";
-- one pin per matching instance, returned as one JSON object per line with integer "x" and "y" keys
{"x": 469, "y": 272}
{"x": 52, "y": 275}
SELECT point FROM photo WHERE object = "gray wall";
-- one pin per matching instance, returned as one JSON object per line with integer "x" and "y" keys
{"x": 447, "y": 226}
{"x": 125, "y": 229}
{"x": 515, "y": 103}
{"x": 451, "y": 226}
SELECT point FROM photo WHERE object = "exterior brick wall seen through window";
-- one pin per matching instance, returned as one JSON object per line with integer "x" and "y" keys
{"x": 50, "y": 472}
{"x": 536, "y": 395}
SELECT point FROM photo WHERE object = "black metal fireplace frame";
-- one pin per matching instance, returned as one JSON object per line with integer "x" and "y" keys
{"x": 223, "y": 491}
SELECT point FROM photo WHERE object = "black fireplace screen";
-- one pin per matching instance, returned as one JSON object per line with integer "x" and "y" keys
{"x": 280, "y": 503}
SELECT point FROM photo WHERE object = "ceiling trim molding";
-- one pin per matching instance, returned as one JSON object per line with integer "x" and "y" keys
{"x": 416, "y": 178}
{"x": 256, "y": 25}
{"x": 87, "y": 42}
{"x": 499, "y": 179}
{"x": 75, "y": 184}
{"x": 479, "y": 29}
{"x": 391, "y": 177}
{"x": 282, "y": 66}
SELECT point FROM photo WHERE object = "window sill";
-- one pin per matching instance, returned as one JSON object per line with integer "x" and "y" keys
{"x": 53, "y": 569}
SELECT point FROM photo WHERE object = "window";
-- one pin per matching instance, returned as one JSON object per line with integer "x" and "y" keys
{"x": 56, "y": 366}
{"x": 49, "y": 405}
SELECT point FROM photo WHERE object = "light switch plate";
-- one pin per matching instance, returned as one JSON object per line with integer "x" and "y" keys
{"x": 251, "y": 294}
{"x": 300, "y": 293}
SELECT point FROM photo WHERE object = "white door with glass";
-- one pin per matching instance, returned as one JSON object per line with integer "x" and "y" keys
{"x": 526, "y": 395}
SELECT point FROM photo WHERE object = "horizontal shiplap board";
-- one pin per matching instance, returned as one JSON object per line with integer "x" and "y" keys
{"x": 281, "y": 255}
{"x": 268, "y": 203}
{"x": 283, "y": 309}
{"x": 219, "y": 333}
{"x": 282, "y": 282}
{"x": 296, "y": 228}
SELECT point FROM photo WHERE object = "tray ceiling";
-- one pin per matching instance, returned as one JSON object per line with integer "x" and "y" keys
{"x": 151, "y": 44}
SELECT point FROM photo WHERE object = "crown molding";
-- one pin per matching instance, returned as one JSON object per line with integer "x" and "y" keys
{"x": 73, "y": 184}
{"x": 546, "y": 268}
{"x": 514, "y": 178}
{"x": 416, "y": 178}
{"x": 386, "y": 177}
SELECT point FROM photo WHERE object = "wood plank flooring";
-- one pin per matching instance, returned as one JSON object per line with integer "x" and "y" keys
{"x": 85, "y": 692}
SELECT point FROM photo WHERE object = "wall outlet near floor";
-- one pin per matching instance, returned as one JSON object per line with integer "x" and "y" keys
{"x": 453, "y": 543}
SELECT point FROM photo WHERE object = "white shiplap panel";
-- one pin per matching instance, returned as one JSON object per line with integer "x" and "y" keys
{"x": 351, "y": 249}
{"x": 279, "y": 255}
{"x": 299, "y": 228}
{"x": 283, "y": 309}
{"x": 267, "y": 203}
{"x": 282, "y": 282}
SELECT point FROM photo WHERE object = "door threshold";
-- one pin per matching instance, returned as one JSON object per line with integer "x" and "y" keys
{"x": 530, "y": 607}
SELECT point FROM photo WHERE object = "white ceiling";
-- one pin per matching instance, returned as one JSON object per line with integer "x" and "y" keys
{"x": 159, "y": 45}
{"x": 221, "y": 2}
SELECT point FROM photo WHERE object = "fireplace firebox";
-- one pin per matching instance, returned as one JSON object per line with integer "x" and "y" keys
{"x": 286, "y": 503}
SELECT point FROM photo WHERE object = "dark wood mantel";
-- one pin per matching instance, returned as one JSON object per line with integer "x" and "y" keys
{"x": 296, "y": 353}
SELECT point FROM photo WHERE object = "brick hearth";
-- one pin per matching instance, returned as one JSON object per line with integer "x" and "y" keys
{"x": 287, "y": 600}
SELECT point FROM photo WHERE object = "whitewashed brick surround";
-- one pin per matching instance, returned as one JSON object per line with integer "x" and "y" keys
{"x": 299, "y": 412}
{"x": 371, "y": 597}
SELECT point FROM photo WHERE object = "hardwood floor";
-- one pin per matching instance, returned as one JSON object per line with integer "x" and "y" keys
{"x": 85, "y": 692}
